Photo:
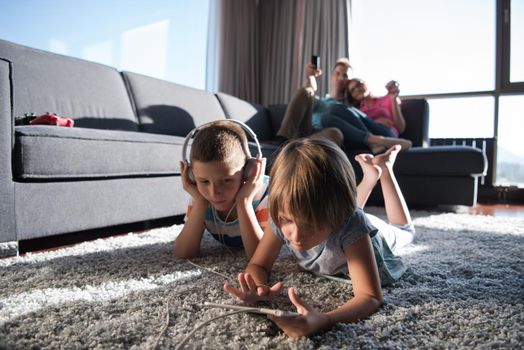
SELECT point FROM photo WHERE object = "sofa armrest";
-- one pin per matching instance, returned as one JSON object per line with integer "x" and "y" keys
{"x": 416, "y": 114}
{"x": 7, "y": 202}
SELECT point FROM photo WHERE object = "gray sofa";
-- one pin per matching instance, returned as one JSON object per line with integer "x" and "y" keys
{"x": 120, "y": 162}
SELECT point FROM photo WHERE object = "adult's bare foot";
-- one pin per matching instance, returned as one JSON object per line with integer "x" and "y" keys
{"x": 391, "y": 141}
{"x": 379, "y": 144}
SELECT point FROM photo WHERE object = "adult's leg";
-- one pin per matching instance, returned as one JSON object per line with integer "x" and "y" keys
{"x": 354, "y": 132}
{"x": 376, "y": 128}
{"x": 297, "y": 120}
{"x": 349, "y": 115}
{"x": 378, "y": 137}
{"x": 331, "y": 134}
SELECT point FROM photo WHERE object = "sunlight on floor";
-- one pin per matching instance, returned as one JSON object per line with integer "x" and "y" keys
{"x": 412, "y": 249}
{"x": 24, "y": 303}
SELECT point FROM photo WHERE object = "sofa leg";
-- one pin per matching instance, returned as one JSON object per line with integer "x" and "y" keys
{"x": 8, "y": 249}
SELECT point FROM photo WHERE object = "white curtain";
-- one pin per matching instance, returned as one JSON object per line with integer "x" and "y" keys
{"x": 239, "y": 50}
{"x": 213, "y": 40}
{"x": 326, "y": 32}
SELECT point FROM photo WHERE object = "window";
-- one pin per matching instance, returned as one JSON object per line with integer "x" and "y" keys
{"x": 470, "y": 117}
{"x": 510, "y": 151}
{"x": 161, "y": 38}
{"x": 429, "y": 46}
{"x": 464, "y": 56}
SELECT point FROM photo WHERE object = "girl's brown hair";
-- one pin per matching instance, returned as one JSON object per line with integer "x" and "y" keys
{"x": 313, "y": 181}
{"x": 349, "y": 93}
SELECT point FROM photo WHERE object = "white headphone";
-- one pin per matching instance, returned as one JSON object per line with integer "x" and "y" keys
{"x": 250, "y": 163}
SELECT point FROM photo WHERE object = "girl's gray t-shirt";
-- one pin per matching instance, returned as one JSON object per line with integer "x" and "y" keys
{"x": 329, "y": 257}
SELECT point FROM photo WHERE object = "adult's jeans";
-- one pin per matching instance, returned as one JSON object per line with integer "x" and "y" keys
{"x": 354, "y": 125}
{"x": 297, "y": 120}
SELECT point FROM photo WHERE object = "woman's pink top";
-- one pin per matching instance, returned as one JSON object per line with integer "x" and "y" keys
{"x": 380, "y": 107}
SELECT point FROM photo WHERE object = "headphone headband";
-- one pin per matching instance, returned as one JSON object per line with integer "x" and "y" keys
{"x": 244, "y": 126}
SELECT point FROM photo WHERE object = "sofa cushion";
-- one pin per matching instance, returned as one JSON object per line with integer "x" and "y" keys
{"x": 92, "y": 94}
{"x": 168, "y": 108}
{"x": 51, "y": 152}
{"x": 441, "y": 161}
{"x": 255, "y": 116}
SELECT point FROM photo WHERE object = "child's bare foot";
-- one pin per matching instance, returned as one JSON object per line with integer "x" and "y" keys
{"x": 386, "y": 159}
{"x": 370, "y": 170}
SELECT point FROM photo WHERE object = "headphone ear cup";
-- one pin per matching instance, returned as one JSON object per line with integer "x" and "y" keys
{"x": 190, "y": 175}
{"x": 250, "y": 167}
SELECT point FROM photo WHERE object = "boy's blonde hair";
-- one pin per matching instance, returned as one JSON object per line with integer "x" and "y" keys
{"x": 343, "y": 61}
{"x": 220, "y": 141}
{"x": 313, "y": 181}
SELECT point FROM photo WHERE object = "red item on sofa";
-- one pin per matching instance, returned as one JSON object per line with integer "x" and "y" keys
{"x": 52, "y": 119}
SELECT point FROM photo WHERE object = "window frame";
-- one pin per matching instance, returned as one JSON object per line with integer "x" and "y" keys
{"x": 504, "y": 50}
{"x": 503, "y": 85}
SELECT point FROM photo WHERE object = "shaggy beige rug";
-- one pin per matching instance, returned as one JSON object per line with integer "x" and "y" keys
{"x": 464, "y": 289}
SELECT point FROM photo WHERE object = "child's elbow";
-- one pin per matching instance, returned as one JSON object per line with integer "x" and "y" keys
{"x": 374, "y": 303}
{"x": 376, "y": 300}
{"x": 379, "y": 297}
{"x": 180, "y": 253}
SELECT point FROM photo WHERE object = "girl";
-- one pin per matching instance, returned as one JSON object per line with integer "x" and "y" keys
{"x": 383, "y": 110}
{"x": 315, "y": 209}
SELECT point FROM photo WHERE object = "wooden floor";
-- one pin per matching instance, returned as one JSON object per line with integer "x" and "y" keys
{"x": 501, "y": 210}
{"x": 56, "y": 242}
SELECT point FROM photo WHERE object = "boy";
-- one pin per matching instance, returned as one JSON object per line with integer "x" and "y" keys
{"x": 229, "y": 199}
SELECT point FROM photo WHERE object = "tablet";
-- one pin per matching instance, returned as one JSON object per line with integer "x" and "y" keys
{"x": 256, "y": 310}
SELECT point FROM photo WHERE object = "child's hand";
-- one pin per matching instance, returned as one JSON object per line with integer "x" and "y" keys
{"x": 250, "y": 292}
{"x": 308, "y": 323}
{"x": 253, "y": 183}
{"x": 392, "y": 87}
{"x": 189, "y": 186}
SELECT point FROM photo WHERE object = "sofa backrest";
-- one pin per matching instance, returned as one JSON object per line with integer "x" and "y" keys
{"x": 92, "y": 94}
{"x": 255, "y": 116}
{"x": 416, "y": 114}
{"x": 167, "y": 108}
